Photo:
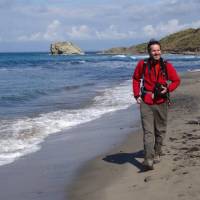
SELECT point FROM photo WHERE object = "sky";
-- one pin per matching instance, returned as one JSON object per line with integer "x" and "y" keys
{"x": 32, "y": 25}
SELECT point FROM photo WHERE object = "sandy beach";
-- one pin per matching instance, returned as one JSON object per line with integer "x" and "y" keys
{"x": 119, "y": 174}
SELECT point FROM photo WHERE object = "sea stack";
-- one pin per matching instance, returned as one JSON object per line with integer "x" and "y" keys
{"x": 65, "y": 48}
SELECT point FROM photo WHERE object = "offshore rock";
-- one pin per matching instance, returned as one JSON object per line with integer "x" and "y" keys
{"x": 66, "y": 48}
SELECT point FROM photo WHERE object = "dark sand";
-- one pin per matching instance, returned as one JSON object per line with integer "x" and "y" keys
{"x": 118, "y": 174}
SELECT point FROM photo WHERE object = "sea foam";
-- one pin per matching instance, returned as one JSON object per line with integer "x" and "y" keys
{"x": 26, "y": 134}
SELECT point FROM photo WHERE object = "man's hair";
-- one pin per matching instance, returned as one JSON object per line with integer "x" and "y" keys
{"x": 152, "y": 42}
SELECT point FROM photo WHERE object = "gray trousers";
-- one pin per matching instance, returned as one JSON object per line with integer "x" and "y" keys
{"x": 154, "y": 124}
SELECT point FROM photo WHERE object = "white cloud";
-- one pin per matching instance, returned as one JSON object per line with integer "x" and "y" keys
{"x": 85, "y": 32}
{"x": 149, "y": 30}
{"x": 53, "y": 32}
{"x": 73, "y": 12}
{"x": 163, "y": 29}
{"x": 80, "y": 32}
{"x": 56, "y": 31}
{"x": 112, "y": 32}
{"x": 195, "y": 24}
{"x": 171, "y": 26}
{"x": 32, "y": 37}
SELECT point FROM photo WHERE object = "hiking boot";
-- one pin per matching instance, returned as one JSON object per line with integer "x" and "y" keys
{"x": 156, "y": 159}
{"x": 159, "y": 151}
{"x": 148, "y": 164}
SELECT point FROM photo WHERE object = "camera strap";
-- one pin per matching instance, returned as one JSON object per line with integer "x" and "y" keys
{"x": 163, "y": 69}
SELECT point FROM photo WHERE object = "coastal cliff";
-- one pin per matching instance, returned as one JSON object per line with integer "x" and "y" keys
{"x": 182, "y": 42}
{"x": 66, "y": 48}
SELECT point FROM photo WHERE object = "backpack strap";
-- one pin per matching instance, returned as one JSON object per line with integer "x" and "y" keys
{"x": 146, "y": 64}
{"x": 163, "y": 64}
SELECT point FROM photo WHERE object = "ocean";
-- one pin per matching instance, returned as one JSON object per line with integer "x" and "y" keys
{"x": 41, "y": 94}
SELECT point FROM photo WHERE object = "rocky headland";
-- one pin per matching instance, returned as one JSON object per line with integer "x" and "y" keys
{"x": 66, "y": 48}
{"x": 182, "y": 42}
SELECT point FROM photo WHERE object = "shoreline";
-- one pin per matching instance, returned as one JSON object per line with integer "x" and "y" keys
{"x": 45, "y": 174}
{"x": 116, "y": 174}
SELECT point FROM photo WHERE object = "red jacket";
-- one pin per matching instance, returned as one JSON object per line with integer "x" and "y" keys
{"x": 150, "y": 78}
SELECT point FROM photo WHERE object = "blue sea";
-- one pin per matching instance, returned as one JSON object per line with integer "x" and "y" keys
{"x": 41, "y": 94}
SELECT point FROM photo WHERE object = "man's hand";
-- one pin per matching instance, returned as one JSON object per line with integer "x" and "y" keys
{"x": 164, "y": 89}
{"x": 139, "y": 100}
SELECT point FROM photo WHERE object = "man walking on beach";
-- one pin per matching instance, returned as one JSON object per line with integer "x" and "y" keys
{"x": 153, "y": 97}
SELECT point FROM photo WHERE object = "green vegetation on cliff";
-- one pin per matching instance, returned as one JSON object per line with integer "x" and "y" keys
{"x": 182, "y": 42}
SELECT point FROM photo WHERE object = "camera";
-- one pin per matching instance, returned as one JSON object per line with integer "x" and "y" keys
{"x": 157, "y": 91}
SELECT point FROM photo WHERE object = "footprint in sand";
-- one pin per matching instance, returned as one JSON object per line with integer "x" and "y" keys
{"x": 194, "y": 122}
{"x": 192, "y": 149}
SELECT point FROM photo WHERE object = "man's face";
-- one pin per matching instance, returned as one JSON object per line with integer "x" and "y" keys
{"x": 155, "y": 52}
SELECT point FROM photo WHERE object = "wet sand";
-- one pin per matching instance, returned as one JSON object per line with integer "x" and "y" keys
{"x": 47, "y": 173}
{"x": 119, "y": 174}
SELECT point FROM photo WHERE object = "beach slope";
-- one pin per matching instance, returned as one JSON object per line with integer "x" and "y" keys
{"x": 119, "y": 174}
